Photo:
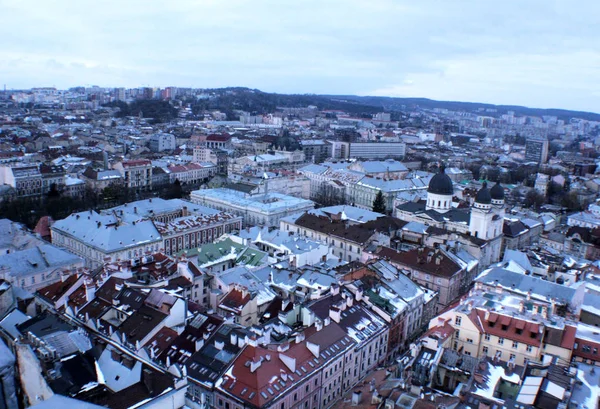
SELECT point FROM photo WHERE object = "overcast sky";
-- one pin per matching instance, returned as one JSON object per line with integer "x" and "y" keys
{"x": 542, "y": 53}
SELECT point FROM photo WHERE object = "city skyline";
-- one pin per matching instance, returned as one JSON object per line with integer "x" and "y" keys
{"x": 535, "y": 54}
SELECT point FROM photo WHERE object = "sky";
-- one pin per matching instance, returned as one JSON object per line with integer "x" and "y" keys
{"x": 537, "y": 53}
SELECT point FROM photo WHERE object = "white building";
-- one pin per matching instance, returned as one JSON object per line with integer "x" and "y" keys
{"x": 263, "y": 209}
{"x": 162, "y": 142}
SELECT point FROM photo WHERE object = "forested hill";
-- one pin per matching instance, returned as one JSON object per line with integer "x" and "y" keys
{"x": 253, "y": 100}
{"x": 394, "y": 104}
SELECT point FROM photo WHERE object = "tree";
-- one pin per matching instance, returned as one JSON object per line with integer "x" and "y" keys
{"x": 535, "y": 199}
{"x": 329, "y": 196}
{"x": 379, "y": 203}
{"x": 175, "y": 190}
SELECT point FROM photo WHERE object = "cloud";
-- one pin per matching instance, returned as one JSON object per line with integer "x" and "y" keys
{"x": 536, "y": 53}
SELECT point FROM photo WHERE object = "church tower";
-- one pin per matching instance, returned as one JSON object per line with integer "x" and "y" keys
{"x": 440, "y": 192}
{"x": 487, "y": 213}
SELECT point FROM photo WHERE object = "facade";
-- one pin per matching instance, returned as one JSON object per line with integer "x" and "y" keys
{"x": 523, "y": 331}
{"x": 26, "y": 179}
{"x": 137, "y": 174}
{"x": 99, "y": 180}
{"x": 313, "y": 369}
{"x": 369, "y": 150}
{"x": 316, "y": 150}
{"x": 536, "y": 150}
{"x": 162, "y": 142}
{"x": 191, "y": 173}
{"x": 190, "y": 232}
{"x": 263, "y": 209}
{"x": 53, "y": 176}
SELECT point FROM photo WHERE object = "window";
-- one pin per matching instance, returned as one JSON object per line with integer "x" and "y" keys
{"x": 487, "y": 337}
{"x": 500, "y": 341}
{"x": 513, "y": 357}
{"x": 220, "y": 402}
{"x": 515, "y": 344}
{"x": 485, "y": 350}
{"x": 469, "y": 341}
{"x": 457, "y": 320}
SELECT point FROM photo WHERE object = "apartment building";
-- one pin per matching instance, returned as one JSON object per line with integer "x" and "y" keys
{"x": 137, "y": 174}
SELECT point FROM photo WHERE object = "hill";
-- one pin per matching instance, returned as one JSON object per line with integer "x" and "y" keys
{"x": 260, "y": 102}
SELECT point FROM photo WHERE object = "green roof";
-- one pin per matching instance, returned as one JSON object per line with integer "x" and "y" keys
{"x": 212, "y": 252}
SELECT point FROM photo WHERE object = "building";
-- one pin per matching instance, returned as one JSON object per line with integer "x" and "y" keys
{"x": 263, "y": 209}
{"x": 510, "y": 326}
{"x": 162, "y": 142}
{"x": 99, "y": 180}
{"x": 432, "y": 269}
{"x": 340, "y": 343}
{"x": 289, "y": 160}
{"x": 140, "y": 229}
{"x": 536, "y": 150}
{"x": 25, "y": 179}
{"x": 345, "y": 238}
{"x": 38, "y": 266}
{"x": 53, "y": 178}
{"x": 483, "y": 221}
{"x": 137, "y": 174}
{"x": 191, "y": 173}
{"x": 316, "y": 150}
{"x": 368, "y": 150}
{"x": 389, "y": 169}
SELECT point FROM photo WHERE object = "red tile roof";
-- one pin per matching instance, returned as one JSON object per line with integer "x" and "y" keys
{"x": 529, "y": 335}
{"x": 419, "y": 261}
{"x": 54, "y": 291}
{"x": 235, "y": 300}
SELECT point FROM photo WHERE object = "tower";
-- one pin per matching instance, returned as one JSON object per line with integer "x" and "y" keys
{"x": 487, "y": 213}
{"x": 440, "y": 192}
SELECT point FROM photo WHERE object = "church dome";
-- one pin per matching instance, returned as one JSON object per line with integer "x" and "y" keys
{"x": 497, "y": 192}
{"x": 483, "y": 196}
{"x": 441, "y": 184}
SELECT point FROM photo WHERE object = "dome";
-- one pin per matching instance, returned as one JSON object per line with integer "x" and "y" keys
{"x": 441, "y": 184}
{"x": 497, "y": 192}
{"x": 483, "y": 196}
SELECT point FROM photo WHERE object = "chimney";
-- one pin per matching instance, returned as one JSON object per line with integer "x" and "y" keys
{"x": 349, "y": 302}
{"x": 359, "y": 294}
{"x": 318, "y": 325}
{"x": 335, "y": 314}
{"x": 299, "y": 337}
{"x": 545, "y": 312}
{"x": 64, "y": 276}
{"x": 198, "y": 344}
{"x": 356, "y": 397}
{"x": 90, "y": 289}
{"x": 254, "y": 365}
{"x": 521, "y": 306}
{"x": 233, "y": 338}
